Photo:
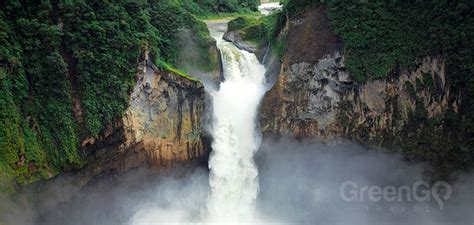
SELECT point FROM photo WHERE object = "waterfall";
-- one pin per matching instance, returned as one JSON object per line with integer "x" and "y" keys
{"x": 233, "y": 174}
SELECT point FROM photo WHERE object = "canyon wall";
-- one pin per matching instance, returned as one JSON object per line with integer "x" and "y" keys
{"x": 71, "y": 96}
{"x": 314, "y": 96}
{"x": 161, "y": 127}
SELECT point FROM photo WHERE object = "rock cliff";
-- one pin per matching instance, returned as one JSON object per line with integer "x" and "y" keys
{"x": 160, "y": 128}
{"x": 314, "y": 96}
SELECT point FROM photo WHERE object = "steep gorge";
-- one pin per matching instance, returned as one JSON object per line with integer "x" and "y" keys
{"x": 317, "y": 93}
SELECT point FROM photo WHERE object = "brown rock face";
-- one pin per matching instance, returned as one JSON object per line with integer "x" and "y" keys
{"x": 310, "y": 37}
{"x": 291, "y": 106}
{"x": 161, "y": 127}
{"x": 164, "y": 118}
{"x": 380, "y": 109}
{"x": 315, "y": 97}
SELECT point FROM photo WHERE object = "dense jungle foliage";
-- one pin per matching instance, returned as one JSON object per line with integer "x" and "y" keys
{"x": 381, "y": 36}
{"x": 67, "y": 68}
{"x": 209, "y": 7}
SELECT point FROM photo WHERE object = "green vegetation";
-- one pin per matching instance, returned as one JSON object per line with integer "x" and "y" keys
{"x": 241, "y": 22}
{"x": 261, "y": 30}
{"x": 228, "y": 15}
{"x": 210, "y": 7}
{"x": 166, "y": 66}
{"x": 381, "y": 36}
{"x": 39, "y": 135}
{"x": 67, "y": 68}
{"x": 257, "y": 32}
{"x": 295, "y": 7}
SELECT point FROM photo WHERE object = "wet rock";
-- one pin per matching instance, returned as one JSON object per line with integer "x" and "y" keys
{"x": 235, "y": 37}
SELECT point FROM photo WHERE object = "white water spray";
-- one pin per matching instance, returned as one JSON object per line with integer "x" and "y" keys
{"x": 233, "y": 177}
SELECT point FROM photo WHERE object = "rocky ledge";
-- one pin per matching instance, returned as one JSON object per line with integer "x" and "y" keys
{"x": 236, "y": 38}
{"x": 161, "y": 127}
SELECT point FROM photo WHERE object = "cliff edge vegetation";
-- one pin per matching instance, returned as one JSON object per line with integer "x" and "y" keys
{"x": 67, "y": 69}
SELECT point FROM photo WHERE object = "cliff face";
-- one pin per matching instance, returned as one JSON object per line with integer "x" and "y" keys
{"x": 67, "y": 71}
{"x": 321, "y": 100}
{"x": 314, "y": 96}
{"x": 67, "y": 75}
{"x": 161, "y": 127}
{"x": 302, "y": 93}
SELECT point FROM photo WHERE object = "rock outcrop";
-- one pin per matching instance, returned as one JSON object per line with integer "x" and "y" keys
{"x": 161, "y": 127}
{"x": 302, "y": 93}
{"x": 314, "y": 95}
{"x": 235, "y": 37}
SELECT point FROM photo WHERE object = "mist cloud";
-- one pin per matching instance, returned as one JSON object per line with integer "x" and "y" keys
{"x": 299, "y": 184}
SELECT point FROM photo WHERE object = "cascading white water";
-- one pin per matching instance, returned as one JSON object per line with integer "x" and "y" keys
{"x": 233, "y": 173}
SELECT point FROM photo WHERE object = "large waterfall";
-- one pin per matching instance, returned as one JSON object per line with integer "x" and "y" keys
{"x": 234, "y": 175}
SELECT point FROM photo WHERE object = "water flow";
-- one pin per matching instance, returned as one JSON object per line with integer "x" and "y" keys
{"x": 233, "y": 173}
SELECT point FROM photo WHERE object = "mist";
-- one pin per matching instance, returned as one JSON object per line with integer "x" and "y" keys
{"x": 299, "y": 184}
{"x": 301, "y": 181}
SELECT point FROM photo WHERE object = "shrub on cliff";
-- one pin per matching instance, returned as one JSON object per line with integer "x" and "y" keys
{"x": 259, "y": 31}
{"x": 240, "y": 22}
{"x": 215, "y": 6}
